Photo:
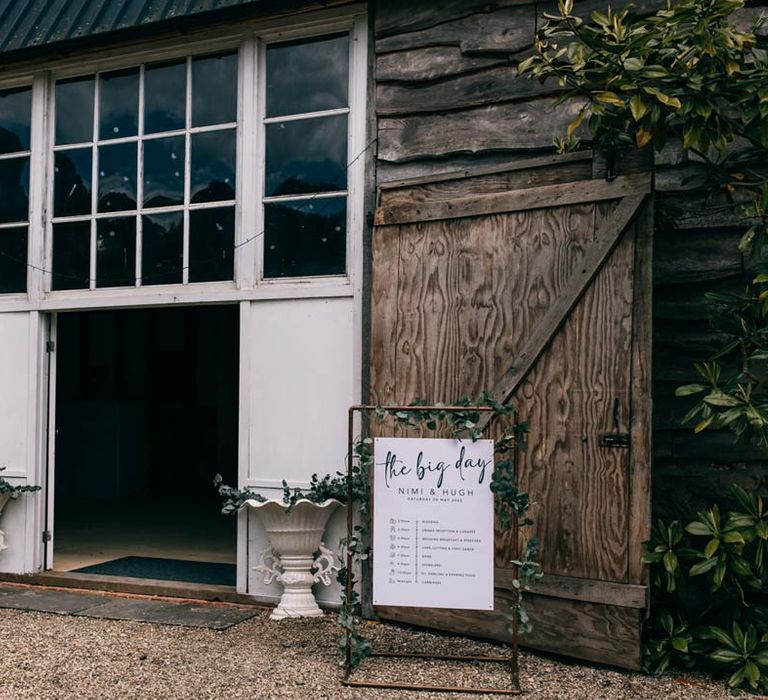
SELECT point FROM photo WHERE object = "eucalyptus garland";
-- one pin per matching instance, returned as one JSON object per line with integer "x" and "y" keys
{"x": 511, "y": 503}
{"x": 319, "y": 491}
{"x": 15, "y": 489}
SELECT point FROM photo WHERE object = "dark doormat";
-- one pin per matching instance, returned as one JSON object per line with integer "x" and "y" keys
{"x": 166, "y": 570}
{"x": 161, "y": 612}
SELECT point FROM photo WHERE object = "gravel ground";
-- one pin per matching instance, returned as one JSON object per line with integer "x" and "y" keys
{"x": 51, "y": 656}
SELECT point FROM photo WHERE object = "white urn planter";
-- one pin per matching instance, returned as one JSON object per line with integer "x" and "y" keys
{"x": 4, "y": 499}
{"x": 295, "y": 534}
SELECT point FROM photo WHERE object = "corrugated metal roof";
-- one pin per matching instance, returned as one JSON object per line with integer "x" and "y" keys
{"x": 26, "y": 24}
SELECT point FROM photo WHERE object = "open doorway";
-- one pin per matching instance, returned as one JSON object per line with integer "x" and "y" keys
{"x": 146, "y": 415}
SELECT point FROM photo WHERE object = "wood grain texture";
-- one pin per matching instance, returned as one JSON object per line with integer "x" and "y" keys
{"x": 585, "y": 8}
{"x": 395, "y": 17}
{"x": 623, "y": 161}
{"x": 466, "y": 300}
{"x": 553, "y": 164}
{"x": 579, "y": 487}
{"x": 687, "y": 303}
{"x": 470, "y": 293}
{"x": 519, "y": 127}
{"x": 690, "y": 257}
{"x": 600, "y": 633}
{"x": 491, "y": 86}
{"x": 585, "y": 589}
{"x": 699, "y": 211}
{"x": 505, "y": 30}
{"x": 641, "y": 407}
{"x": 402, "y": 16}
{"x": 526, "y": 199}
{"x": 498, "y": 180}
{"x": 452, "y": 166}
{"x": 431, "y": 63}
{"x": 384, "y": 286}
{"x": 609, "y": 228}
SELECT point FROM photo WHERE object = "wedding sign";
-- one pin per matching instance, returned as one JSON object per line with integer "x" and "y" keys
{"x": 433, "y": 523}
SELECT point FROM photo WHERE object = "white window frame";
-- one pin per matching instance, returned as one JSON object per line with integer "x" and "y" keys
{"x": 249, "y": 39}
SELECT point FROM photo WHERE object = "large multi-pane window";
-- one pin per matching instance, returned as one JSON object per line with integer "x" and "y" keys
{"x": 163, "y": 173}
{"x": 15, "y": 117}
{"x": 144, "y": 175}
{"x": 306, "y": 123}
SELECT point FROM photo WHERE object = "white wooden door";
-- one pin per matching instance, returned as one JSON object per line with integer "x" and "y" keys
{"x": 299, "y": 363}
{"x": 23, "y": 393}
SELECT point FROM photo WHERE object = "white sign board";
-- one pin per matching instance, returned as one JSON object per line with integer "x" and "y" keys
{"x": 433, "y": 523}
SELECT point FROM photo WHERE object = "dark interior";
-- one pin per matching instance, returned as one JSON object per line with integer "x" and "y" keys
{"x": 146, "y": 415}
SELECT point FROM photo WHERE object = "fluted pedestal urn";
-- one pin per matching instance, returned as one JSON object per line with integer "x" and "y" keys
{"x": 295, "y": 534}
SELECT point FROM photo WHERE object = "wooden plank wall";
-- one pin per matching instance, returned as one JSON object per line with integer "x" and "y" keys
{"x": 447, "y": 98}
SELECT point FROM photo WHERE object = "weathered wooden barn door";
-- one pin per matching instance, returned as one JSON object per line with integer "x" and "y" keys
{"x": 533, "y": 281}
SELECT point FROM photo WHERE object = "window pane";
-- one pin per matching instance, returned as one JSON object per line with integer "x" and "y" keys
{"x": 15, "y": 113}
{"x": 307, "y": 76}
{"x": 164, "y": 172}
{"x": 213, "y": 166}
{"x": 118, "y": 104}
{"x": 14, "y": 189}
{"x": 13, "y": 260}
{"x": 71, "y": 255}
{"x": 211, "y": 244}
{"x": 165, "y": 97}
{"x": 117, "y": 177}
{"x": 116, "y": 252}
{"x": 305, "y": 238}
{"x": 214, "y": 90}
{"x": 74, "y": 110}
{"x": 308, "y": 155}
{"x": 161, "y": 248}
{"x": 72, "y": 182}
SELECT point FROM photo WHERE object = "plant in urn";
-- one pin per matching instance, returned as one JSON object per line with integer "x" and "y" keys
{"x": 10, "y": 492}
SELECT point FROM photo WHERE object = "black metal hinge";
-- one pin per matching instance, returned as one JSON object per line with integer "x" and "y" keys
{"x": 47, "y": 536}
{"x": 50, "y": 346}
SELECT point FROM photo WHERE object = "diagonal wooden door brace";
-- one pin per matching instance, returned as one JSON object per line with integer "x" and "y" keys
{"x": 608, "y": 234}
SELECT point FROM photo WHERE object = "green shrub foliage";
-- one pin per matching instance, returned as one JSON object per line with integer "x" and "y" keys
{"x": 709, "y": 592}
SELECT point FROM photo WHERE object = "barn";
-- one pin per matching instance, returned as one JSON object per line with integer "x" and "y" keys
{"x": 224, "y": 222}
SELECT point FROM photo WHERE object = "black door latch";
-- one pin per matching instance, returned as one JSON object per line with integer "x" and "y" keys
{"x": 615, "y": 440}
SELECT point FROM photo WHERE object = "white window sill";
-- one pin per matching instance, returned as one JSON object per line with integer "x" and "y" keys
{"x": 211, "y": 293}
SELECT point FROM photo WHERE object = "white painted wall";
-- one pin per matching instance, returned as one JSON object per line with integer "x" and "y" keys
{"x": 302, "y": 380}
{"x": 22, "y": 387}
{"x": 300, "y": 339}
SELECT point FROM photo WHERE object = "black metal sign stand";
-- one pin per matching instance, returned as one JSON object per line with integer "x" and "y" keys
{"x": 512, "y": 661}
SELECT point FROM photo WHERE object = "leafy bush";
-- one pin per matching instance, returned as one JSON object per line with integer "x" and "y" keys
{"x": 709, "y": 589}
